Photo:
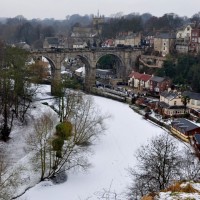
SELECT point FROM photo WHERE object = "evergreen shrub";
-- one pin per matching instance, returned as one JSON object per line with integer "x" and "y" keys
{"x": 64, "y": 130}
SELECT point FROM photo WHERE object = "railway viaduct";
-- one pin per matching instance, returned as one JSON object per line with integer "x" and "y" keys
{"x": 125, "y": 61}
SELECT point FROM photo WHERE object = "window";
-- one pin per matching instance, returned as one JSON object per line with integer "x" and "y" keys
{"x": 198, "y": 103}
{"x": 175, "y": 103}
{"x": 192, "y": 102}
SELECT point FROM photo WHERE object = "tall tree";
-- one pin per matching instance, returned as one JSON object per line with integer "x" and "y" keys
{"x": 194, "y": 75}
{"x": 15, "y": 92}
{"x": 185, "y": 100}
{"x": 158, "y": 165}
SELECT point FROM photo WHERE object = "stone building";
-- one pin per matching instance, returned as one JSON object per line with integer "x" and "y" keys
{"x": 90, "y": 35}
{"x": 164, "y": 43}
{"x": 183, "y": 37}
{"x": 159, "y": 84}
{"x": 54, "y": 42}
{"x": 195, "y": 40}
{"x": 129, "y": 38}
{"x": 170, "y": 104}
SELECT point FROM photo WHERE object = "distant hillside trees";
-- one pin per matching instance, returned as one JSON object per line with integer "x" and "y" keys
{"x": 19, "y": 29}
{"x": 167, "y": 22}
{"x": 123, "y": 24}
{"x": 142, "y": 23}
{"x": 183, "y": 70}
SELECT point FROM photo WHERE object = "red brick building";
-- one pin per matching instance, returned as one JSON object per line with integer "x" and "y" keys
{"x": 159, "y": 84}
{"x": 195, "y": 40}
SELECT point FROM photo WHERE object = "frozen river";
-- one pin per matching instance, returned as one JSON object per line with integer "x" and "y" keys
{"x": 112, "y": 155}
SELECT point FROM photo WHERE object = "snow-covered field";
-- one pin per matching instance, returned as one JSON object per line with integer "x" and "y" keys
{"x": 112, "y": 154}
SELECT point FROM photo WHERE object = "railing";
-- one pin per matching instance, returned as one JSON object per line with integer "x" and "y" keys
{"x": 97, "y": 49}
{"x": 180, "y": 135}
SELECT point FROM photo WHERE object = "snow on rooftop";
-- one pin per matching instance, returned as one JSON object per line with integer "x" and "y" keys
{"x": 81, "y": 69}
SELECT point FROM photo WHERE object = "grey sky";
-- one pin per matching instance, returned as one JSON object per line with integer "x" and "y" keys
{"x": 59, "y": 9}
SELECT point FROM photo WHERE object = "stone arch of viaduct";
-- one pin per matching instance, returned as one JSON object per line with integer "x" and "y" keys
{"x": 125, "y": 57}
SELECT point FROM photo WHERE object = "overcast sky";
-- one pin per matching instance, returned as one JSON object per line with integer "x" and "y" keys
{"x": 59, "y": 9}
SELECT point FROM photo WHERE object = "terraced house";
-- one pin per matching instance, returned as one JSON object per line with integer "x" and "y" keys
{"x": 170, "y": 104}
{"x": 194, "y": 103}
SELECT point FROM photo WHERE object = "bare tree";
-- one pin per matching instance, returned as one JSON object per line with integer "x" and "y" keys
{"x": 88, "y": 123}
{"x": 108, "y": 194}
{"x": 56, "y": 154}
{"x": 38, "y": 142}
{"x": 190, "y": 166}
{"x": 158, "y": 165}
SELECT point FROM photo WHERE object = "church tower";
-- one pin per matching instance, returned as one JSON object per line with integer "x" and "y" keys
{"x": 98, "y": 22}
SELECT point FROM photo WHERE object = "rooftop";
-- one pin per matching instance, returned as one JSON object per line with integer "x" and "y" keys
{"x": 165, "y": 36}
{"x": 197, "y": 137}
{"x": 192, "y": 95}
{"x": 172, "y": 94}
{"x": 188, "y": 124}
{"x": 157, "y": 79}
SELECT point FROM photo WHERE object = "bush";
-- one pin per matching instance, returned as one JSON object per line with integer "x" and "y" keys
{"x": 64, "y": 130}
{"x": 57, "y": 144}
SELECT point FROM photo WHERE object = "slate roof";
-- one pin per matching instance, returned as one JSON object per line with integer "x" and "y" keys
{"x": 184, "y": 123}
{"x": 192, "y": 95}
{"x": 165, "y": 36}
{"x": 170, "y": 95}
{"x": 79, "y": 43}
{"x": 165, "y": 105}
{"x": 157, "y": 79}
{"x": 52, "y": 40}
{"x": 197, "y": 137}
